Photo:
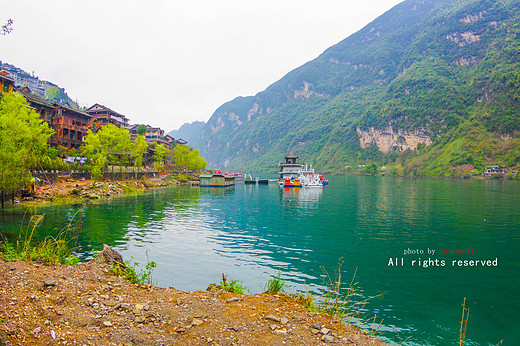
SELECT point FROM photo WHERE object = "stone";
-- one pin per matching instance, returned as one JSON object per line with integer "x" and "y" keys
{"x": 49, "y": 282}
{"x": 110, "y": 256}
{"x": 197, "y": 322}
{"x": 273, "y": 326}
{"x": 281, "y": 331}
{"x": 107, "y": 323}
{"x": 231, "y": 300}
{"x": 315, "y": 331}
{"x": 37, "y": 330}
{"x": 235, "y": 328}
{"x": 272, "y": 318}
{"x": 324, "y": 331}
{"x": 139, "y": 307}
{"x": 140, "y": 319}
{"x": 284, "y": 320}
{"x": 316, "y": 326}
{"x": 327, "y": 338}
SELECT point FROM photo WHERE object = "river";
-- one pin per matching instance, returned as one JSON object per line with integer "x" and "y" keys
{"x": 389, "y": 231}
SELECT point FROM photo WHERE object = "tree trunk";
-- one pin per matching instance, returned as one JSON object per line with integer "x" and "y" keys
{"x": 2, "y": 198}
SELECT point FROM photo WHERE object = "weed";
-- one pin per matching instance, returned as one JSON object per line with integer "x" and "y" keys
{"x": 235, "y": 286}
{"x": 463, "y": 323}
{"x": 347, "y": 306}
{"x": 129, "y": 271}
{"x": 275, "y": 285}
{"x": 59, "y": 249}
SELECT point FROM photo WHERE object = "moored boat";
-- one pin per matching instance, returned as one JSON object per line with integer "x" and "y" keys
{"x": 297, "y": 174}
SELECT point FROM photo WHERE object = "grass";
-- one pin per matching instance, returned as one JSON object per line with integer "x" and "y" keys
{"x": 129, "y": 271}
{"x": 345, "y": 302}
{"x": 275, "y": 285}
{"x": 59, "y": 249}
{"x": 235, "y": 286}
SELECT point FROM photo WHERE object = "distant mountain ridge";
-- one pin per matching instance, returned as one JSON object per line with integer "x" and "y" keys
{"x": 424, "y": 75}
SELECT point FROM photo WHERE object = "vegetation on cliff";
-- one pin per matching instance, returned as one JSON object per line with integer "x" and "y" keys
{"x": 444, "y": 69}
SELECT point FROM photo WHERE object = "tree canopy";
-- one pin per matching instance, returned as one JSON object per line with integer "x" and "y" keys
{"x": 23, "y": 139}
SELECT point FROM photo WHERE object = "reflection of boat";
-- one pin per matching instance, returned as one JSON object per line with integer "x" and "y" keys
{"x": 216, "y": 180}
{"x": 297, "y": 174}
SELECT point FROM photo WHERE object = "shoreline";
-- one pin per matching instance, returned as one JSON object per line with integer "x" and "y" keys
{"x": 85, "y": 304}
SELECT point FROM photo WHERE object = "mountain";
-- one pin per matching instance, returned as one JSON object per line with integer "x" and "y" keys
{"x": 431, "y": 87}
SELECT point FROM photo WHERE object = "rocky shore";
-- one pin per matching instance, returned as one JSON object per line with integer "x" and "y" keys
{"x": 87, "y": 305}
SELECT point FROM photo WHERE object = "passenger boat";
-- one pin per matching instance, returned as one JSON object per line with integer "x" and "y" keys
{"x": 297, "y": 174}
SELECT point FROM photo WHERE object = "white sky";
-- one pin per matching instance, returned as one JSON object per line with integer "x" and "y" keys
{"x": 165, "y": 63}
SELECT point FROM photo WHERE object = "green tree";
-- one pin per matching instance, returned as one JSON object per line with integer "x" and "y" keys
{"x": 23, "y": 139}
{"x": 186, "y": 158}
{"x": 141, "y": 129}
{"x": 159, "y": 155}
{"x": 139, "y": 147}
{"x": 180, "y": 156}
{"x": 110, "y": 145}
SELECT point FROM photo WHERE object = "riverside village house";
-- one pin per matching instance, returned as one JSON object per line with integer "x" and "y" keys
{"x": 71, "y": 125}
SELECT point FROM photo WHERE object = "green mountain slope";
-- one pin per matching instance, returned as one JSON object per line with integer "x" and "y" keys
{"x": 429, "y": 88}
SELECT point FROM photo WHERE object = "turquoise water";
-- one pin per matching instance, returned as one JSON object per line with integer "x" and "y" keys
{"x": 252, "y": 232}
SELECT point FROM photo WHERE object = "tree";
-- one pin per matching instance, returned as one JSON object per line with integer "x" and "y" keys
{"x": 159, "y": 155}
{"x": 7, "y": 28}
{"x": 139, "y": 147}
{"x": 187, "y": 158}
{"x": 109, "y": 145}
{"x": 141, "y": 129}
{"x": 23, "y": 139}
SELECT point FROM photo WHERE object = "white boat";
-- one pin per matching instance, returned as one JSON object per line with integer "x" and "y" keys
{"x": 296, "y": 174}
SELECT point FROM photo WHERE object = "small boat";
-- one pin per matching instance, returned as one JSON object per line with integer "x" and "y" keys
{"x": 249, "y": 180}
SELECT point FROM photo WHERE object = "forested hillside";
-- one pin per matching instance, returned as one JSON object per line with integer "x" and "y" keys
{"x": 432, "y": 87}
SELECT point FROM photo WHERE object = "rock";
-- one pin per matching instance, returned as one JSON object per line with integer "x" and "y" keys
{"x": 324, "y": 331}
{"x": 107, "y": 323}
{"x": 316, "y": 326}
{"x": 327, "y": 338}
{"x": 272, "y": 318}
{"x": 281, "y": 331}
{"x": 37, "y": 330}
{"x": 273, "y": 326}
{"x": 284, "y": 320}
{"x": 139, "y": 307}
{"x": 196, "y": 322}
{"x": 110, "y": 256}
{"x": 140, "y": 319}
{"x": 181, "y": 330}
{"x": 231, "y": 300}
{"x": 235, "y": 328}
{"x": 49, "y": 282}
{"x": 315, "y": 331}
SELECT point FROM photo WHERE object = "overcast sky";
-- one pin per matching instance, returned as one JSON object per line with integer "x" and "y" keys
{"x": 165, "y": 63}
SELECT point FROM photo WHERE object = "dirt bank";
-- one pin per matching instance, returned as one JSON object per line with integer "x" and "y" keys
{"x": 71, "y": 190}
{"x": 86, "y": 305}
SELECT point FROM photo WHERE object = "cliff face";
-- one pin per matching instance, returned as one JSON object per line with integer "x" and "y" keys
{"x": 413, "y": 75}
{"x": 388, "y": 139}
